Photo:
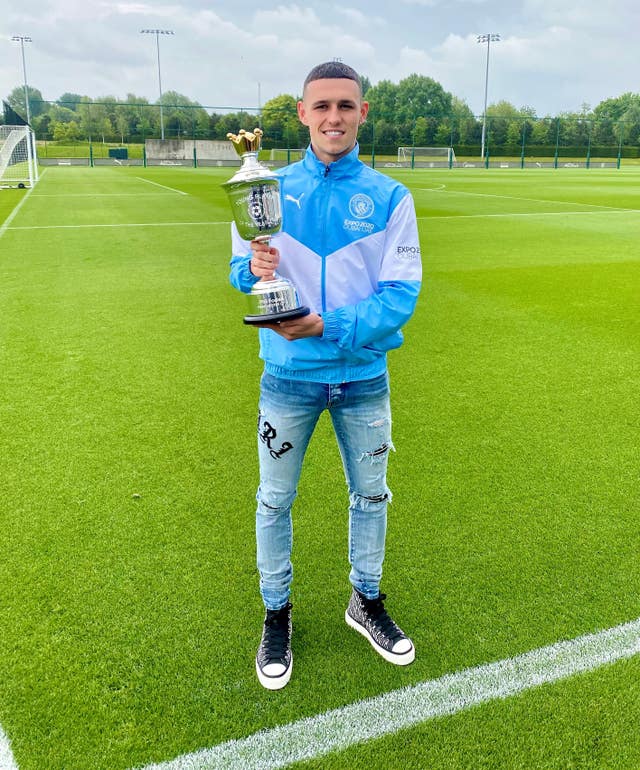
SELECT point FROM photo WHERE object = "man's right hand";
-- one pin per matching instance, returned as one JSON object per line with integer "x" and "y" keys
{"x": 264, "y": 260}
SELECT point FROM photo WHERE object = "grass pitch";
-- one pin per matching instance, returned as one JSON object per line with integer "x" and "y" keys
{"x": 129, "y": 612}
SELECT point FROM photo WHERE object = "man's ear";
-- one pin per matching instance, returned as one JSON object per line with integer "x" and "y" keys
{"x": 364, "y": 111}
{"x": 302, "y": 115}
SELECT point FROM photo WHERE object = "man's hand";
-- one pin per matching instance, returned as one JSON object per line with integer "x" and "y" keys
{"x": 264, "y": 260}
{"x": 310, "y": 325}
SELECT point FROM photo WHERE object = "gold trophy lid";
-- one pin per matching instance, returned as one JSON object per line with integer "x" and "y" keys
{"x": 246, "y": 141}
{"x": 247, "y": 145}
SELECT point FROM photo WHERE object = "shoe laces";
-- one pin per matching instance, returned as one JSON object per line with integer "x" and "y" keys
{"x": 276, "y": 634}
{"x": 375, "y": 609}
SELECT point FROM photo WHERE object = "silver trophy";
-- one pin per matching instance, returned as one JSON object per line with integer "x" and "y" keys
{"x": 254, "y": 195}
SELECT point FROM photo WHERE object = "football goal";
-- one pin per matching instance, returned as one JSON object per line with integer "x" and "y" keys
{"x": 287, "y": 155}
{"x": 426, "y": 154}
{"x": 18, "y": 166}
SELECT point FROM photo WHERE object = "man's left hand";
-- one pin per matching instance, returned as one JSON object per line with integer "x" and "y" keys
{"x": 310, "y": 325}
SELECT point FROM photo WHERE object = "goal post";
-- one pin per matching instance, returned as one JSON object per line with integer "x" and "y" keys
{"x": 18, "y": 163}
{"x": 428, "y": 155}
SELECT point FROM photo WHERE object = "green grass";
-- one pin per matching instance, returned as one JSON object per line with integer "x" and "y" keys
{"x": 52, "y": 149}
{"x": 129, "y": 611}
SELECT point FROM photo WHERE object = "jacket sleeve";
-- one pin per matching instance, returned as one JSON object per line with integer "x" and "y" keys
{"x": 241, "y": 276}
{"x": 384, "y": 312}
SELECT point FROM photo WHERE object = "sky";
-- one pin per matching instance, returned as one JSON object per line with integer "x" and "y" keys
{"x": 553, "y": 55}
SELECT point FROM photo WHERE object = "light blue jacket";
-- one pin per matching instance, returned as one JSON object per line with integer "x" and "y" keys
{"x": 349, "y": 244}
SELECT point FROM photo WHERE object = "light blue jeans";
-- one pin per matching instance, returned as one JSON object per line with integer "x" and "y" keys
{"x": 288, "y": 413}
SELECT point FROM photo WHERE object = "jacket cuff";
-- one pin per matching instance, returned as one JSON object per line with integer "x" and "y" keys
{"x": 247, "y": 278}
{"x": 331, "y": 327}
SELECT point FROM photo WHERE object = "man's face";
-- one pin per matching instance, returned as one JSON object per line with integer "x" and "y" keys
{"x": 333, "y": 109}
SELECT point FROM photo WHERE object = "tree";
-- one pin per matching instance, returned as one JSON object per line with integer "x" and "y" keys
{"x": 465, "y": 128}
{"x": 500, "y": 117}
{"x": 69, "y": 100}
{"x": 627, "y": 129}
{"x": 418, "y": 95}
{"x": 66, "y": 132}
{"x": 17, "y": 103}
{"x": 616, "y": 119}
{"x": 382, "y": 102}
{"x": 421, "y": 132}
{"x": 61, "y": 114}
{"x": 386, "y": 133}
{"x": 543, "y": 131}
{"x": 232, "y": 122}
{"x": 182, "y": 115}
{"x": 280, "y": 120}
{"x": 93, "y": 119}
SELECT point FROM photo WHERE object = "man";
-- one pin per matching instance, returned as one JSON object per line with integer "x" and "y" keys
{"x": 349, "y": 244}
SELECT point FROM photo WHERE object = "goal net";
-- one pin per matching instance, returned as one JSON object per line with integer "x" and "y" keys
{"x": 287, "y": 154}
{"x": 421, "y": 154}
{"x": 18, "y": 167}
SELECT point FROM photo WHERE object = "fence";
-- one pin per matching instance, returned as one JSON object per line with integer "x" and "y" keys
{"x": 86, "y": 132}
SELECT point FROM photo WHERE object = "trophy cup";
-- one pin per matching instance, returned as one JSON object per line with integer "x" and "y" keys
{"x": 254, "y": 195}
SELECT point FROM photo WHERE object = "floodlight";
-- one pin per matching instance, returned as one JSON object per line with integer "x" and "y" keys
{"x": 157, "y": 33}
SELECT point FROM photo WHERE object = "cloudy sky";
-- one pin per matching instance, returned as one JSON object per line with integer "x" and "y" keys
{"x": 554, "y": 55}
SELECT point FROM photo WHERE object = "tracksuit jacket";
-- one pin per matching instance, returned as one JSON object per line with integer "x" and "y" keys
{"x": 349, "y": 244}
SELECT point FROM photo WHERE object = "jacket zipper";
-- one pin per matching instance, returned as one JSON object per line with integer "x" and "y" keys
{"x": 323, "y": 274}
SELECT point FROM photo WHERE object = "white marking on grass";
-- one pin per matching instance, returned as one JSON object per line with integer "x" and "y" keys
{"x": 385, "y": 714}
{"x": 431, "y": 217}
{"x": 98, "y": 195}
{"x": 117, "y": 224}
{"x": 7, "y": 762}
{"x": 507, "y": 215}
{"x": 529, "y": 200}
{"x": 11, "y": 216}
{"x": 164, "y": 186}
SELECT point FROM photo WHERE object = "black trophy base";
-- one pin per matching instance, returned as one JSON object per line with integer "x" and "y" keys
{"x": 275, "y": 318}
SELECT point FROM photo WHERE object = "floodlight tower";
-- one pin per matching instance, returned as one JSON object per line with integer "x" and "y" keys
{"x": 22, "y": 39}
{"x": 157, "y": 33}
{"x": 490, "y": 37}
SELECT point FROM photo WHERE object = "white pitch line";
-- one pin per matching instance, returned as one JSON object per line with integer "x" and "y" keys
{"x": 397, "y": 710}
{"x": 11, "y": 216}
{"x": 117, "y": 224}
{"x": 97, "y": 195}
{"x": 448, "y": 191}
{"x": 7, "y": 762}
{"x": 508, "y": 215}
{"x": 164, "y": 186}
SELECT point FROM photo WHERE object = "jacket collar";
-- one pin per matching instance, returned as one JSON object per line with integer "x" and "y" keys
{"x": 342, "y": 167}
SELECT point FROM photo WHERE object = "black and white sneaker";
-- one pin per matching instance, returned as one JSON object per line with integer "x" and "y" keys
{"x": 274, "y": 660}
{"x": 369, "y": 618}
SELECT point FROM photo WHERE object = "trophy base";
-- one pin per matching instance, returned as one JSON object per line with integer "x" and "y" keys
{"x": 274, "y": 318}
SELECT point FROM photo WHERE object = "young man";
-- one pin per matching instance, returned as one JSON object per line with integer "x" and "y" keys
{"x": 349, "y": 244}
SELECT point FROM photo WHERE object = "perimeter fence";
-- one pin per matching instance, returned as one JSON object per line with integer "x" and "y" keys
{"x": 93, "y": 133}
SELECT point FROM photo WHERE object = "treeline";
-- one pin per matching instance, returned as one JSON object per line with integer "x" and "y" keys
{"x": 416, "y": 111}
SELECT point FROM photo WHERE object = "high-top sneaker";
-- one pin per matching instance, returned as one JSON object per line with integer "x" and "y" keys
{"x": 274, "y": 660}
{"x": 369, "y": 618}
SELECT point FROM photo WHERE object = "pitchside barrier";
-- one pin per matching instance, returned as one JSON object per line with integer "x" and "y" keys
{"x": 197, "y": 153}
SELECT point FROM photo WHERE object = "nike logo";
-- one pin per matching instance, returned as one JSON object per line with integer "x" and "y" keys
{"x": 288, "y": 197}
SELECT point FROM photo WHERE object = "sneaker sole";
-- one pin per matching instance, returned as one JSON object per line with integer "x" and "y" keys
{"x": 399, "y": 659}
{"x": 274, "y": 682}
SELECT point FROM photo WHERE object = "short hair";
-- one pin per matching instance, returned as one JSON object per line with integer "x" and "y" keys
{"x": 333, "y": 69}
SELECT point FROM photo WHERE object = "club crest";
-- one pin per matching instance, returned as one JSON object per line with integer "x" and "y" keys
{"x": 361, "y": 206}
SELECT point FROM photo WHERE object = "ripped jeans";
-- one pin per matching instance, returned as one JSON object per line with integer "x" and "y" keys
{"x": 288, "y": 413}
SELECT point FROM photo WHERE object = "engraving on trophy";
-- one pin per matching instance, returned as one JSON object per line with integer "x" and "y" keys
{"x": 254, "y": 195}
